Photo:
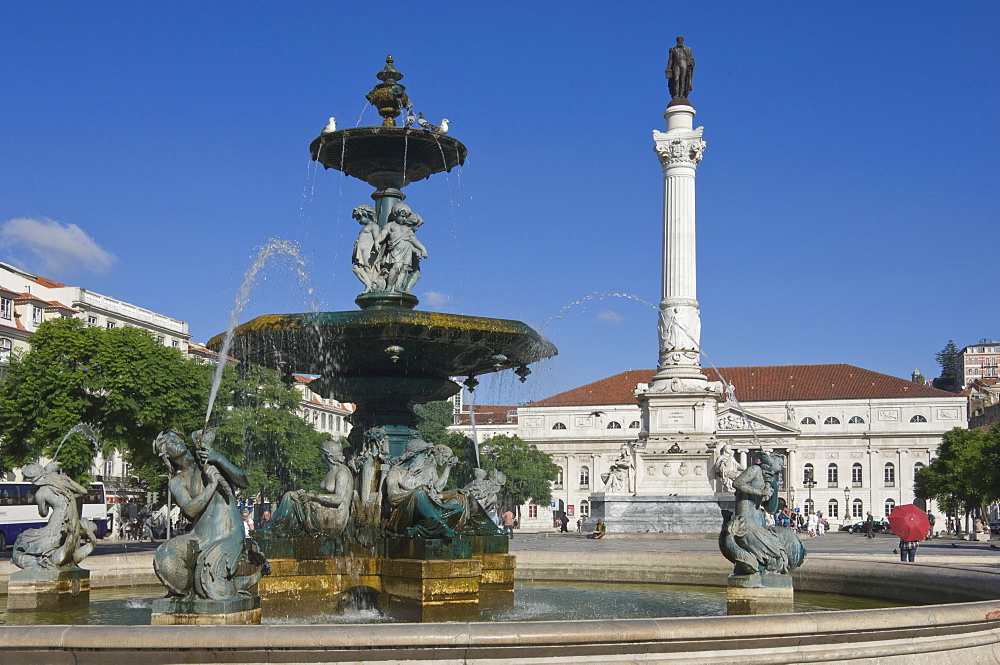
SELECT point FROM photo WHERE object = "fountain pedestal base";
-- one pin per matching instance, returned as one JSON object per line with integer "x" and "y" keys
{"x": 243, "y": 611}
{"x": 34, "y": 589}
{"x": 759, "y": 594}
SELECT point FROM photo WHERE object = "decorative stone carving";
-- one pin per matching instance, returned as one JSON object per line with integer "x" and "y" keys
{"x": 674, "y": 151}
{"x": 727, "y": 468}
{"x": 832, "y": 455}
{"x": 888, "y": 414}
{"x": 651, "y": 470}
{"x": 947, "y": 414}
{"x": 680, "y": 331}
{"x": 667, "y": 470}
{"x": 730, "y": 421}
{"x": 484, "y": 487}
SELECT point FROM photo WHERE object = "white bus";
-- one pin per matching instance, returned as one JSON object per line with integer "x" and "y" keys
{"x": 18, "y": 510}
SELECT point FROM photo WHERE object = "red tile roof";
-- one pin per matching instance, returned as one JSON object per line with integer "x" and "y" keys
{"x": 488, "y": 414}
{"x": 776, "y": 383}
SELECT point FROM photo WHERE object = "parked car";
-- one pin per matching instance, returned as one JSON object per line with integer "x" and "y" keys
{"x": 994, "y": 526}
{"x": 880, "y": 526}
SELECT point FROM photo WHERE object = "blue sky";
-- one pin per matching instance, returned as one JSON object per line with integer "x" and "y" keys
{"x": 846, "y": 202}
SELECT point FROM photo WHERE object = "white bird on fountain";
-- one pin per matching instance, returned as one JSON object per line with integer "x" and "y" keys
{"x": 437, "y": 129}
{"x": 410, "y": 118}
{"x": 330, "y": 128}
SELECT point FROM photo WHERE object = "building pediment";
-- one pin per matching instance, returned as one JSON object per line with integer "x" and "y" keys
{"x": 731, "y": 422}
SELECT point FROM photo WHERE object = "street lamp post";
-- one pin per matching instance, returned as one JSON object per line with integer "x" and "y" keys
{"x": 847, "y": 502}
{"x": 809, "y": 483}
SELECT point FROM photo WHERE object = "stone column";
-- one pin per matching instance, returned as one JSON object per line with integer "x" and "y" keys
{"x": 679, "y": 149}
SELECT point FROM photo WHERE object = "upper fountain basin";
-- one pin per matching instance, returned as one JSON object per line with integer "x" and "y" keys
{"x": 386, "y": 342}
{"x": 371, "y": 153}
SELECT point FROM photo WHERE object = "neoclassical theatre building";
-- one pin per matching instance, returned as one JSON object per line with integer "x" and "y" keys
{"x": 852, "y": 438}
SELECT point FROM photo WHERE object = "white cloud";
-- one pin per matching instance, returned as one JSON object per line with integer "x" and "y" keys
{"x": 435, "y": 298}
{"x": 609, "y": 316}
{"x": 61, "y": 248}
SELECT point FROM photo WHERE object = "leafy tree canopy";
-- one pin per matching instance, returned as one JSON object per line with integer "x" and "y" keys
{"x": 121, "y": 381}
{"x": 530, "y": 472}
{"x": 261, "y": 432}
{"x": 965, "y": 475}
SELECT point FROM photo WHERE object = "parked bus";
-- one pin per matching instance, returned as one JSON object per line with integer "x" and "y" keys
{"x": 18, "y": 510}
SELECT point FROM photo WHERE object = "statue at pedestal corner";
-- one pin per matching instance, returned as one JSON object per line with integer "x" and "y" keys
{"x": 727, "y": 468}
{"x": 324, "y": 513}
{"x": 680, "y": 70}
{"x": 57, "y": 545}
{"x": 203, "y": 563}
{"x": 749, "y": 537}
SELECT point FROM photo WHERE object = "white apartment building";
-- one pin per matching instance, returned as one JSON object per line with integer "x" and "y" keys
{"x": 324, "y": 414}
{"x": 26, "y": 300}
{"x": 852, "y": 438}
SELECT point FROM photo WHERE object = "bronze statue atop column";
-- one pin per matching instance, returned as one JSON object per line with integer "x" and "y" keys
{"x": 680, "y": 70}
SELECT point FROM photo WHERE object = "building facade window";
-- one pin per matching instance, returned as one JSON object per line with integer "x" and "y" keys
{"x": 559, "y": 426}
{"x": 808, "y": 474}
{"x": 807, "y": 421}
{"x": 634, "y": 424}
{"x": 175, "y": 344}
{"x": 857, "y": 475}
{"x": 109, "y": 468}
{"x": 889, "y": 505}
{"x": 916, "y": 470}
{"x": 889, "y": 475}
{"x": 918, "y": 419}
{"x": 36, "y": 315}
{"x": 6, "y": 308}
{"x": 5, "y": 348}
{"x": 532, "y": 510}
{"x": 584, "y": 509}
{"x": 614, "y": 425}
{"x": 831, "y": 475}
{"x": 832, "y": 420}
{"x": 558, "y": 484}
{"x": 832, "y": 508}
{"x": 111, "y": 325}
{"x": 857, "y": 508}
{"x": 856, "y": 420}
{"x": 584, "y": 477}
{"x": 91, "y": 321}
{"x": 809, "y": 506}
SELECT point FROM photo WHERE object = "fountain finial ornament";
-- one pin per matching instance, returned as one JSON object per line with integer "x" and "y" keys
{"x": 389, "y": 96}
{"x": 680, "y": 72}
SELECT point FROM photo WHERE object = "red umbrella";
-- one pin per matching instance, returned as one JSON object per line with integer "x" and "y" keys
{"x": 909, "y": 522}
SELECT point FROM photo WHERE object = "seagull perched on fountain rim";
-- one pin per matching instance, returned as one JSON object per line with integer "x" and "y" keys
{"x": 330, "y": 128}
{"x": 437, "y": 129}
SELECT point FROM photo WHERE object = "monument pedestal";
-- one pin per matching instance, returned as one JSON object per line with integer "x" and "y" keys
{"x": 759, "y": 594}
{"x": 438, "y": 590}
{"x": 624, "y": 513}
{"x": 35, "y": 589}
{"x": 242, "y": 611}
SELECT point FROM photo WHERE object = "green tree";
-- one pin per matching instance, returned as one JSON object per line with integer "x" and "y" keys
{"x": 962, "y": 478}
{"x": 529, "y": 471}
{"x": 121, "y": 381}
{"x": 947, "y": 358}
{"x": 437, "y": 418}
{"x": 262, "y": 433}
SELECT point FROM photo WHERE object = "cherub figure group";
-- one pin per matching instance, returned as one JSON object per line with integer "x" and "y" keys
{"x": 388, "y": 258}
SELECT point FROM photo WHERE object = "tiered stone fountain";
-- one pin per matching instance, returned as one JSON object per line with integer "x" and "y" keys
{"x": 383, "y": 524}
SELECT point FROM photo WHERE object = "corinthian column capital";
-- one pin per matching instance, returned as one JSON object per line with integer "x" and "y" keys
{"x": 679, "y": 148}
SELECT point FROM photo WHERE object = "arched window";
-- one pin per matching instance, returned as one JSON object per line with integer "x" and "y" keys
{"x": 857, "y": 475}
{"x": 634, "y": 424}
{"x": 831, "y": 475}
{"x": 559, "y": 426}
{"x": 832, "y": 508}
{"x": 807, "y": 421}
{"x": 559, "y": 480}
{"x": 918, "y": 419}
{"x": 807, "y": 473}
{"x": 857, "y": 508}
{"x": 889, "y": 474}
{"x": 584, "y": 509}
{"x": 584, "y": 477}
{"x": 916, "y": 469}
{"x": 856, "y": 420}
{"x": 614, "y": 425}
{"x": 889, "y": 505}
{"x": 810, "y": 507}
{"x": 832, "y": 420}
